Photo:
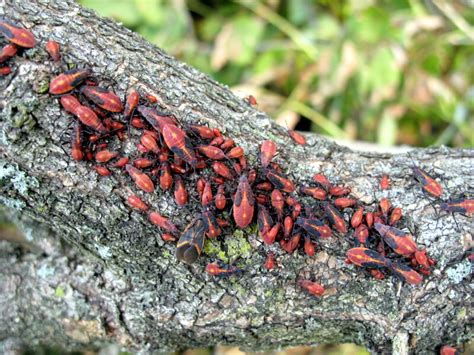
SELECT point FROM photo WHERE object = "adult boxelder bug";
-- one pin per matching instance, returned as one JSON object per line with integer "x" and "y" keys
{"x": 103, "y": 98}
{"x": 141, "y": 179}
{"x": 7, "y": 52}
{"x": 191, "y": 242}
{"x": 312, "y": 287}
{"x": 156, "y": 120}
{"x": 405, "y": 273}
{"x": 179, "y": 143}
{"x": 19, "y": 36}
{"x": 280, "y": 181}
{"x": 463, "y": 206}
{"x": 244, "y": 202}
{"x": 314, "y": 227}
{"x": 52, "y": 47}
{"x": 68, "y": 80}
{"x": 210, "y": 224}
{"x": 267, "y": 152}
{"x": 335, "y": 218}
{"x": 264, "y": 220}
{"x": 402, "y": 243}
{"x": 366, "y": 258}
{"x": 428, "y": 184}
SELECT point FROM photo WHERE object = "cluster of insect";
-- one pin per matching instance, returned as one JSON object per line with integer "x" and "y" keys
{"x": 199, "y": 162}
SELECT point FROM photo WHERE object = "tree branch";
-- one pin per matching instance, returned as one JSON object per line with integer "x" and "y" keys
{"x": 140, "y": 296}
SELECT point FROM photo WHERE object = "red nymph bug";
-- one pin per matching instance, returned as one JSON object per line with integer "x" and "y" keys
{"x": 179, "y": 143}
{"x": 395, "y": 216}
{"x": 5, "y": 70}
{"x": 141, "y": 179}
{"x": 70, "y": 103}
{"x": 270, "y": 261}
{"x": 221, "y": 270}
{"x": 448, "y": 350}
{"x": 385, "y": 182}
{"x": 244, "y": 202}
{"x": 102, "y": 170}
{"x": 206, "y": 198}
{"x": 405, "y": 273}
{"x": 103, "y": 98}
{"x": 308, "y": 246}
{"x": 264, "y": 220}
{"x": 385, "y": 206}
{"x": 280, "y": 181}
{"x": 369, "y": 218}
{"x": 222, "y": 170}
{"x": 228, "y": 143}
{"x": 150, "y": 143}
{"x": 339, "y": 191}
{"x": 217, "y": 141}
{"x": 68, "y": 80}
{"x": 180, "y": 192}
{"x": 191, "y": 242}
{"x": 7, "y": 52}
{"x": 264, "y": 186}
{"x": 377, "y": 274}
{"x": 89, "y": 118}
{"x": 267, "y": 152}
{"x": 314, "y": 227}
{"x": 344, "y": 202}
{"x": 428, "y": 184}
{"x": 212, "y": 152}
{"x": 298, "y": 138}
{"x": 143, "y": 163}
{"x": 335, "y": 218}
{"x": 270, "y": 236}
{"x": 19, "y": 36}
{"x": 357, "y": 217}
{"x": 220, "y": 199}
{"x": 203, "y": 131}
{"x": 361, "y": 234}
{"x": 167, "y": 237}
{"x": 315, "y": 192}
{"x": 151, "y": 98}
{"x": 290, "y": 245}
{"x": 131, "y": 103}
{"x": 252, "y": 100}
{"x": 287, "y": 226}
{"x": 166, "y": 178}
{"x": 278, "y": 202}
{"x": 137, "y": 203}
{"x": 104, "y": 156}
{"x": 162, "y": 222}
{"x": 235, "y": 153}
{"x": 52, "y": 47}
{"x": 366, "y": 258}
{"x": 322, "y": 180}
{"x": 76, "y": 143}
{"x": 312, "y": 287}
{"x": 401, "y": 242}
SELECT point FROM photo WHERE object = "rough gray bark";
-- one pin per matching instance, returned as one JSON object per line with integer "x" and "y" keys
{"x": 129, "y": 289}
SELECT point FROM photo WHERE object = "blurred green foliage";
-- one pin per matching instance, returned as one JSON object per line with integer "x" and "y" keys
{"x": 392, "y": 72}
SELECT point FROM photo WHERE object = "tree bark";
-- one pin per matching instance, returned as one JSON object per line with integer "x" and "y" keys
{"x": 117, "y": 281}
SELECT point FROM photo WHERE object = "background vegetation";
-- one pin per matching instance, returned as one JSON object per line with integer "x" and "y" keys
{"x": 392, "y": 72}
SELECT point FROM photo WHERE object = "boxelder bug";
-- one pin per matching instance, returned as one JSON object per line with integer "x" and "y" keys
{"x": 244, "y": 202}
{"x": 191, "y": 242}
{"x": 52, "y": 47}
{"x": 68, "y": 80}
{"x": 405, "y": 273}
{"x": 141, "y": 179}
{"x": 103, "y": 98}
{"x": 221, "y": 270}
{"x": 312, "y": 287}
{"x": 401, "y": 242}
{"x": 179, "y": 143}
{"x": 8, "y": 51}
{"x": 19, "y": 36}
{"x": 366, "y": 258}
{"x": 267, "y": 152}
